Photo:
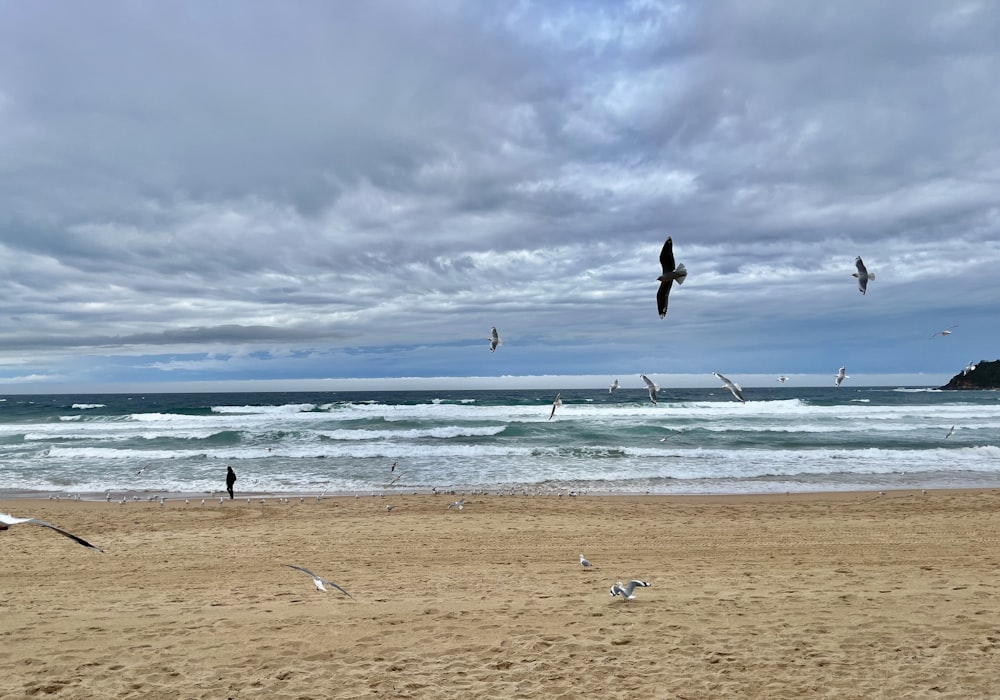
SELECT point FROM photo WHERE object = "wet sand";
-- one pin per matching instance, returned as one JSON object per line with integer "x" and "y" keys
{"x": 806, "y": 595}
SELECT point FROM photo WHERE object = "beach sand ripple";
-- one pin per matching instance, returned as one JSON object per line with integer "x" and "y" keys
{"x": 806, "y": 595}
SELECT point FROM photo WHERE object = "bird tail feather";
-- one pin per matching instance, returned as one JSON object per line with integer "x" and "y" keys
{"x": 680, "y": 274}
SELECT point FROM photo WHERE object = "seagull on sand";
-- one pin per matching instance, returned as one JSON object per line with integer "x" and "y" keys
{"x": 735, "y": 388}
{"x": 318, "y": 581}
{"x": 671, "y": 272}
{"x": 651, "y": 385}
{"x": 584, "y": 562}
{"x": 946, "y": 331}
{"x": 626, "y": 591}
{"x": 863, "y": 275}
{"x": 841, "y": 375}
{"x": 555, "y": 404}
{"x": 971, "y": 367}
{"x": 8, "y": 520}
{"x": 494, "y": 339}
{"x": 614, "y": 385}
{"x": 460, "y": 504}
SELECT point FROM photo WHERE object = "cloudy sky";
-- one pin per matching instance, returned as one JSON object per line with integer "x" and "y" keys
{"x": 193, "y": 193}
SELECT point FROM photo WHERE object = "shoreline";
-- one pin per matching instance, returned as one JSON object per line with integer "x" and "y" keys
{"x": 151, "y": 495}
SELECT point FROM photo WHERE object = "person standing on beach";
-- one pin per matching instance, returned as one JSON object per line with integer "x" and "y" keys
{"x": 230, "y": 480}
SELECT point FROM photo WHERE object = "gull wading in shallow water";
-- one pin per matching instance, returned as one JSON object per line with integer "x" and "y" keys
{"x": 626, "y": 590}
{"x": 651, "y": 386}
{"x": 556, "y": 404}
{"x": 863, "y": 275}
{"x": 318, "y": 581}
{"x": 8, "y": 520}
{"x": 841, "y": 375}
{"x": 495, "y": 341}
{"x": 671, "y": 272}
{"x": 733, "y": 387}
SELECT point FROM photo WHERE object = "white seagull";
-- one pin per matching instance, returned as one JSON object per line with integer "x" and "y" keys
{"x": 614, "y": 385}
{"x": 555, "y": 404}
{"x": 735, "y": 388}
{"x": 494, "y": 339}
{"x": 971, "y": 367}
{"x": 584, "y": 562}
{"x": 841, "y": 375}
{"x": 626, "y": 591}
{"x": 946, "y": 331}
{"x": 318, "y": 581}
{"x": 782, "y": 379}
{"x": 863, "y": 275}
{"x": 8, "y": 520}
{"x": 651, "y": 385}
{"x": 460, "y": 504}
{"x": 671, "y": 272}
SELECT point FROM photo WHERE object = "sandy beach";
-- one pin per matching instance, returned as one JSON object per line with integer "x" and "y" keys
{"x": 841, "y": 595}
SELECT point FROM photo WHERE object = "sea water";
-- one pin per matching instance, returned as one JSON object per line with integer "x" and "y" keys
{"x": 693, "y": 441}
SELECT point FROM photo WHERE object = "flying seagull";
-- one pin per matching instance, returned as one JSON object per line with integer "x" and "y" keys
{"x": 946, "y": 331}
{"x": 735, "y": 388}
{"x": 841, "y": 375}
{"x": 863, "y": 275}
{"x": 319, "y": 581}
{"x": 626, "y": 591}
{"x": 584, "y": 562}
{"x": 651, "y": 386}
{"x": 671, "y": 272}
{"x": 971, "y": 367}
{"x": 460, "y": 504}
{"x": 8, "y": 520}
{"x": 950, "y": 431}
{"x": 494, "y": 339}
{"x": 555, "y": 405}
{"x": 614, "y": 385}
{"x": 782, "y": 379}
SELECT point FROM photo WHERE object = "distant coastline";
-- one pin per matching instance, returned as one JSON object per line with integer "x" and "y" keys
{"x": 981, "y": 376}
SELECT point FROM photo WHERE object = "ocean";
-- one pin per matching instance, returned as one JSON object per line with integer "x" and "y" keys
{"x": 783, "y": 439}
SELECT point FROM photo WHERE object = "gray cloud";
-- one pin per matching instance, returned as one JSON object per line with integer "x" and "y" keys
{"x": 309, "y": 179}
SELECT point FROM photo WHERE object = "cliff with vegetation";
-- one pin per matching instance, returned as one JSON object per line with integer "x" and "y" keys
{"x": 986, "y": 375}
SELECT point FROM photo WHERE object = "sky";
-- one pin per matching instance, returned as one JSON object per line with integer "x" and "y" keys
{"x": 314, "y": 194}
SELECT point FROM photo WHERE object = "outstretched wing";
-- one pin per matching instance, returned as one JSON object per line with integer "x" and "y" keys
{"x": 331, "y": 583}
{"x": 633, "y": 584}
{"x": 305, "y": 571}
{"x": 667, "y": 256}
{"x": 663, "y": 296}
{"x": 11, "y": 520}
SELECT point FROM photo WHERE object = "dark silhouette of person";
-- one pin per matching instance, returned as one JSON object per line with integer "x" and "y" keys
{"x": 230, "y": 480}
